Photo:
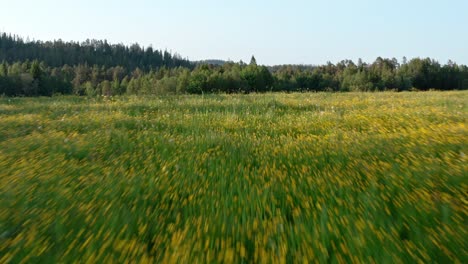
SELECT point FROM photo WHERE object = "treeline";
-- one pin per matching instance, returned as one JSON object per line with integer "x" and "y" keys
{"x": 34, "y": 78}
{"x": 382, "y": 74}
{"x": 92, "y": 52}
{"x": 34, "y": 72}
{"x": 37, "y": 79}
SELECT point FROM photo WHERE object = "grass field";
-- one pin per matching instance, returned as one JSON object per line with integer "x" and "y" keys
{"x": 265, "y": 178}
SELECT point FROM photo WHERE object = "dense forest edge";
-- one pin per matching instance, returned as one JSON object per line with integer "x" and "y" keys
{"x": 95, "y": 67}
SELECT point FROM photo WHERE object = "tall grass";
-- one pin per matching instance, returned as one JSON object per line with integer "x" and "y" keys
{"x": 271, "y": 178}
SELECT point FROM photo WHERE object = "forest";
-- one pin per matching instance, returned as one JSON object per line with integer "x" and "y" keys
{"x": 95, "y": 67}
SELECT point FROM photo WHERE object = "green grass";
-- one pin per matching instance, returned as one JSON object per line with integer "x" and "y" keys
{"x": 319, "y": 177}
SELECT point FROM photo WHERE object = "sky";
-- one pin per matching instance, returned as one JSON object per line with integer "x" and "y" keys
{"x": 275, "y": 32}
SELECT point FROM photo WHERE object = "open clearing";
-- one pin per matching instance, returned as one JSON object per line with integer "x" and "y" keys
{"x": 339, "y": 177}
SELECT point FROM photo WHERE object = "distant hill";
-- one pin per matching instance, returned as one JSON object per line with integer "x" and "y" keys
{"x": 212, "y": 62}
{"x": 300, "y": 67}
{"x": 91, "y": 52}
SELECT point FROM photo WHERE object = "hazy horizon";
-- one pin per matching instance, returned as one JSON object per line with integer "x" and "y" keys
{"x": 297, "y": 32}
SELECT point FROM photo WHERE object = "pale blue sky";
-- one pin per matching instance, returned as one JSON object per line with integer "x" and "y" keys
{"x": 276, "y": 32}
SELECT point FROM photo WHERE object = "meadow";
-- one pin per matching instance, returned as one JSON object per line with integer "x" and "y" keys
{"x": 259, "y": 178}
